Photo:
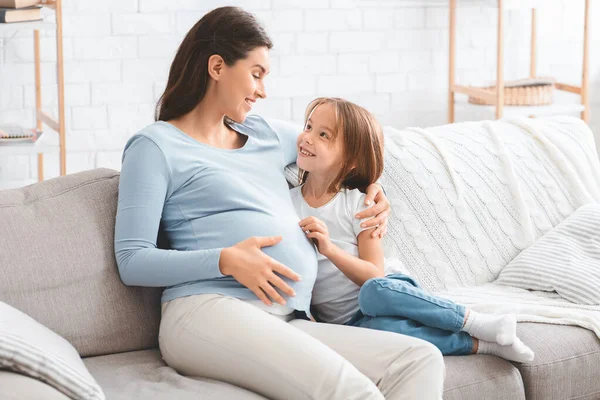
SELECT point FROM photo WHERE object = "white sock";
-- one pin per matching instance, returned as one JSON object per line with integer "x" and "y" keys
{"x": 515, "y": 352}
{"x": 501, "y": 329}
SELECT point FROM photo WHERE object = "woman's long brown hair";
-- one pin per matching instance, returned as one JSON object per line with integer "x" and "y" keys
{"x": 229, "y": 32}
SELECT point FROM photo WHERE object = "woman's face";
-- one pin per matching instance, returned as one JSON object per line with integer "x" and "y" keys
{"x": 243, "y": 83}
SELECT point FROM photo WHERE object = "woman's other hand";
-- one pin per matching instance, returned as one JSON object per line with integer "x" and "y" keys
{"x": 251, "y": 267}
{"x": 380, "y": 210}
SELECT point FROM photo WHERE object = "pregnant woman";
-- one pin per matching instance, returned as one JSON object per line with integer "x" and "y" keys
{"x": 209, "y": 180}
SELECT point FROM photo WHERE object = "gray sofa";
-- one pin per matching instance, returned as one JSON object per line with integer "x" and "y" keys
{"x": 57, "y": 265}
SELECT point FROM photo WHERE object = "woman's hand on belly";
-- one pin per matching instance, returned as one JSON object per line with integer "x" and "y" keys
{"x": 251, "y": 267}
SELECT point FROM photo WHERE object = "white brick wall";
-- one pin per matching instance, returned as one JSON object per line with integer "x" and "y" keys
{"x": 392, "y": 60}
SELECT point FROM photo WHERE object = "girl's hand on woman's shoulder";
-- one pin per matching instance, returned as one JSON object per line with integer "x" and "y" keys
{"x": 316, "y": 230}
{"x": 251, "y": 267}
{"x": 380, "y": 210}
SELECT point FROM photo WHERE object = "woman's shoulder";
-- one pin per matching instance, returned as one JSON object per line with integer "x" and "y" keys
{"x": 149, "y": 143}
{"x": 259, "y": 126}
{"x": 157, "y": 133}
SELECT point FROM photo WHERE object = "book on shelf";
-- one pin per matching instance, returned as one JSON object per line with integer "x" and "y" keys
{"x": 11, "y": 133}
{"x": 18, "y": 3}
{"x": 9, "y": 15}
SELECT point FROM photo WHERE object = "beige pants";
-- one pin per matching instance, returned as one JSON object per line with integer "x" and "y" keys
{"x": 227, "y": 339}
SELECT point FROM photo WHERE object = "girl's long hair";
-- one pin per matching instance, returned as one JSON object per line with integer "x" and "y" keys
{"x": 362, "y": 144}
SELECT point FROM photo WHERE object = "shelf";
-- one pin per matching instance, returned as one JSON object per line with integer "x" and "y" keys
{"x": 485, "y": 94}
{"x": 33, "y": 25}
{"x": 53, "y": 139}
{"x": 46, "y": 23}
{"x": 487, "y": 111}
{"x": 491, "y": 95}
{"x": 47, "y": 143}
{"x": 565, "y": 103}
{"x": 508, "y": 4}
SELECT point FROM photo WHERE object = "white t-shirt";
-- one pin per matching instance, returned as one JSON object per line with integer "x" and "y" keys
{"x": 335, "y": 296}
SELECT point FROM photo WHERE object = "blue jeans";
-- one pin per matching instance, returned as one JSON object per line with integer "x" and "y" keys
{"x": 396, "y": 303}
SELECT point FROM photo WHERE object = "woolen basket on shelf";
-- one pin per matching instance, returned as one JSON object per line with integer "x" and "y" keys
{"x": 523, "y": 92}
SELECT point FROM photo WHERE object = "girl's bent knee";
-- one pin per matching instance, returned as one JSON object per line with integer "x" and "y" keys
{"x": 368, "y": 294}
{"x": 374, "y": 281}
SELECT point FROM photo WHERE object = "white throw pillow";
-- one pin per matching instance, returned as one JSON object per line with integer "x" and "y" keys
{"x": 30, "y": 348}
{"x": 565, "y": 260}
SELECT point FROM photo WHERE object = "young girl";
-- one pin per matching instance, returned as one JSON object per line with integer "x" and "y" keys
{"x": 340, "y": 152}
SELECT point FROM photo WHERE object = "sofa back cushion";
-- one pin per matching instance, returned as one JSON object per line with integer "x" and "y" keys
{"x": 57, "y": 264}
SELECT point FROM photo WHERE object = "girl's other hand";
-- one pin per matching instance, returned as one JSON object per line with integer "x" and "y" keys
{"x": 317, "y": 230}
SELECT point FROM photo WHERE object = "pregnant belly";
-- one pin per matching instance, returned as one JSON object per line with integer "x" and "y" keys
{"x": 294, "y": 250}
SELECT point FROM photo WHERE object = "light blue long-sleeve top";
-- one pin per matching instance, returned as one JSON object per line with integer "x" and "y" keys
{"x": 203, "y": 199}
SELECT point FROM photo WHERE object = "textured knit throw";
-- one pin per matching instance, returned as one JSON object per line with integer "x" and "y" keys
{"x": 467, "y": 198}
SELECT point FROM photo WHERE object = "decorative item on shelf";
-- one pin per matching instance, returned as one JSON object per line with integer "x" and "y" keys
{"x": 16, "y": 134}
{"x": 522, "y": 92}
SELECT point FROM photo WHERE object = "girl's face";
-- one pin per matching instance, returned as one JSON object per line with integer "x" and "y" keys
{"x": 243, "y": 83}
{"x": 318, "y": 151}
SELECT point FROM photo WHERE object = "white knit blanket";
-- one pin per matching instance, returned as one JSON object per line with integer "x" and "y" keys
{"x": 469, "y": 197}
{"x": 529, "y": 306}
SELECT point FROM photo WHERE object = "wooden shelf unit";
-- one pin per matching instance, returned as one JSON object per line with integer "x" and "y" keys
{"x": 48, "y": 142}
{"x": 496, "y": 96}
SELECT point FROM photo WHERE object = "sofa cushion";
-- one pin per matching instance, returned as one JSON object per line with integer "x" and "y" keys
{"x": 58, "y": 265}
{"x": 469, "y": 377}
{"x": 32, "y": 349}
{"x": 566, "y": 364}
{"x": 144, "y": 375}
{"x": 15, "y": 386}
